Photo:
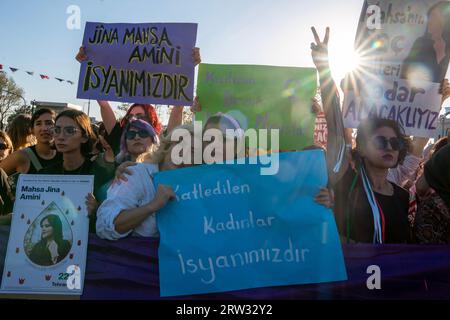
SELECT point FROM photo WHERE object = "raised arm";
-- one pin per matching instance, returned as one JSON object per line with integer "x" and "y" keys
{"x": 15, "y": 162}
{"x": 444, "y": 90}
{"x": 107, "y": 113}
{"x": 338, "y": 155}
{"x": 406, "y": 171}
{"x": 176, "y": 114}
{"x": 176, "y": 118}
{"x": 108, "y": 116}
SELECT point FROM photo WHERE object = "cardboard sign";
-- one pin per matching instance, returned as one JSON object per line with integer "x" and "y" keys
{"x": 48, "y": 239}
{"x": 141, "y": 62}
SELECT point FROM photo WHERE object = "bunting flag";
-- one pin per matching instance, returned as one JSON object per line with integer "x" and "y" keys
{"x": 31, "y": 73}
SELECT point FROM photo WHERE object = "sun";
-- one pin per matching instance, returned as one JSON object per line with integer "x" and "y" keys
{"x": 343, "y": 59}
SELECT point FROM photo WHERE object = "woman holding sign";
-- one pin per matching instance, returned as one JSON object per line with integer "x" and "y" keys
{"x": 74, "y": 139}
{"x": 368, "y": 207}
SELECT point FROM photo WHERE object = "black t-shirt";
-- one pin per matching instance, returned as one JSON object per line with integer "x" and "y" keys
{"x": 102, "y": 173}
{"x": 13, "y": 178}
{"x": 354, "y": 214}
{"x": 44, "y": 162}
{"x": 114, "y": 138}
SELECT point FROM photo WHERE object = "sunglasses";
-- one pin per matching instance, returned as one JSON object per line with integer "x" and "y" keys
{"x": 381, "y": 143}
{"x": 68, "y": 131}
{"x": 130, "y": 135}
{"x": 3, "y": 146}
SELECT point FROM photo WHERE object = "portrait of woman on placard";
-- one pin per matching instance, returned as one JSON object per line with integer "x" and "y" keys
{"x": 430, "y": 55}
{"x": 52, "y": 248}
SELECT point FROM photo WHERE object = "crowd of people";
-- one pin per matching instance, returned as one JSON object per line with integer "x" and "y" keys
{"x": 384, "y": 187}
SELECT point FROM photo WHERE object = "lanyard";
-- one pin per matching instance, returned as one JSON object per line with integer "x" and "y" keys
{"x": 383, "y": 221}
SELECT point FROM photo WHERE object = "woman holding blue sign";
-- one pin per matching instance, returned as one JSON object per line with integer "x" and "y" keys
{"x": 368, "y": 208}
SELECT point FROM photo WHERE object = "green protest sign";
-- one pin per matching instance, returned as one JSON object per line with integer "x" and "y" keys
{"x": 261, "y": 97}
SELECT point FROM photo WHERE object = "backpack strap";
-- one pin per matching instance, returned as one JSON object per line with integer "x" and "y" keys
{"x": 34, "y": 160}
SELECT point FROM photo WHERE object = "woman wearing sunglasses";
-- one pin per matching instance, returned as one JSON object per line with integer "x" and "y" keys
{"x": 368, "y": 207}
{"x": 138, "y": 138}
{"x": 74, "y": 139}
{"x": 131, "y": 206}
{"x": 115, "y": 129}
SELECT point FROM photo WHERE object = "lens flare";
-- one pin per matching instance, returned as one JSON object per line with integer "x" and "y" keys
{"x": 377, "y": 44}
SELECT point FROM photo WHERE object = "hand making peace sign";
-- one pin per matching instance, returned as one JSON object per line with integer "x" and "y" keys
{"x": 320, "y": 49}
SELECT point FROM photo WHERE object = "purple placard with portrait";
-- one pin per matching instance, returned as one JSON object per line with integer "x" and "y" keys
{"x": 139, "y": 62}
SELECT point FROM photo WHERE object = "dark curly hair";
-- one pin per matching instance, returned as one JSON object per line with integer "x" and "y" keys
{"x": 368, "y": 127}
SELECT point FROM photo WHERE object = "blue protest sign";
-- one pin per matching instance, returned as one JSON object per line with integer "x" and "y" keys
{"x": 141, "y": 62}
{"x": 231, "y": 228}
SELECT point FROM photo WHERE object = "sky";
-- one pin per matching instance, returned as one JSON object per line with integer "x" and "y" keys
{"x": 34, "y": 35}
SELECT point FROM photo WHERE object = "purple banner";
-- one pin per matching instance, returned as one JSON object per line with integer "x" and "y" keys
{"x": 128, "y": 269}
{"x": 140, "y": 62}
